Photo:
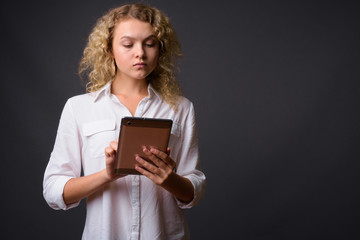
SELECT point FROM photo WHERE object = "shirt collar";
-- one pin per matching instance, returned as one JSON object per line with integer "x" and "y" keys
{"x": 153, "y": 92}
{"x": 106, "y": 91}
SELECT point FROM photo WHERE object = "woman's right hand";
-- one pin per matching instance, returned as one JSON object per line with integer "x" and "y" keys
{"x": 78, "y": 188}
{"x": 110, "y": 153}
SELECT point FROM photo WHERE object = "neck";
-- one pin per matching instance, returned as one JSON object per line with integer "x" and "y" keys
{"x": 128, "y": 86}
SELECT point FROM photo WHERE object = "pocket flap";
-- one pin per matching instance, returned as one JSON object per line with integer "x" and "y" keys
{"x": 98, "y": 126}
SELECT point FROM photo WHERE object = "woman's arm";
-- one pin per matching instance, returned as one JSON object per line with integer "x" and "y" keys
{"x": 163, "y": 174}
{"x": 78, "y": 188}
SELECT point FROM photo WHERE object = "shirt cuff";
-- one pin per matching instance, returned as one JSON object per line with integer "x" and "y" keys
{"x": 55, "y": 197}
{"x": 199, "y": 188}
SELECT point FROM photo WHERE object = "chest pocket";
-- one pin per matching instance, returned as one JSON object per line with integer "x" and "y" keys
{"x": 176, "y": 129}
{"x": 98, "y": 135}
{"x": 175, "y": 135}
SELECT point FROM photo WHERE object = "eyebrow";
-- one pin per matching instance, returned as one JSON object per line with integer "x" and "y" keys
{"x": 132, "y": 38}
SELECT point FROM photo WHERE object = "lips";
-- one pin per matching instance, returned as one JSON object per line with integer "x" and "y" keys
{"x": 140, "y": 64}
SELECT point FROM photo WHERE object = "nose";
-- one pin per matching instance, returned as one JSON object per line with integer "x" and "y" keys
{"x": 139, "y": 51}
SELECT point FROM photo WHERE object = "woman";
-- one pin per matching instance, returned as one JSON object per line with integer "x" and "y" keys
{"x": 129, "y": 60}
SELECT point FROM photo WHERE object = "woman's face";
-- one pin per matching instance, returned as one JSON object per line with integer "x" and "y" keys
{"x": 135, "y": 48}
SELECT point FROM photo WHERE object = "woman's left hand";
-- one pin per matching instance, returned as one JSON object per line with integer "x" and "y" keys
{"x": 161, "y": 172}
{"x": 161, "y": 168}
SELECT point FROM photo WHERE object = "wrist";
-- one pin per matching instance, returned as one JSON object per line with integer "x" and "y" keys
{"x": 105, "y": 177}
{"x": 180, "y": 187}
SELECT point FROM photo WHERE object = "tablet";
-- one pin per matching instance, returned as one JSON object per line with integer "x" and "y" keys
{"x": 136, "y": 133}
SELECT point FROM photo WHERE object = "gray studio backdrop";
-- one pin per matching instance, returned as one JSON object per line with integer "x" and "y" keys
{"x": 275, "y": 86}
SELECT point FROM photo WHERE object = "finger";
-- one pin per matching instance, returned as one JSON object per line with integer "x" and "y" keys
{"x": 114, "y": 145}
{"x": 150, "y": 167}
{"x": 157, "y": 161}
{"x": 163, "y": 156}
{"x": 142, "y": 170}
{"x": 109, "y": 152}
{"x": 155, "y": 178}
{"x": 158, "y": 153}
{"x": 147, "y": 174}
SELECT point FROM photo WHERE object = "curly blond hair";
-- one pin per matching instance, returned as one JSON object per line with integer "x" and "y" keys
{"x": 98, "y": 63}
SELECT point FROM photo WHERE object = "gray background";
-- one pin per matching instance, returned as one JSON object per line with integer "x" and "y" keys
{"x": 276, "y": 91}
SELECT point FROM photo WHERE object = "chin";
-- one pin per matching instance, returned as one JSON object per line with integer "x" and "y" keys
{"x": 141, "y": 77}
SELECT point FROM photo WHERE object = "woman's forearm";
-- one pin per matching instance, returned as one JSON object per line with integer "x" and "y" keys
{"x": 78, "y": 188}
{"x": 180, "y": 187}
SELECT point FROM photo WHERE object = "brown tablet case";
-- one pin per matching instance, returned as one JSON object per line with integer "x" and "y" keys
{"x": 136, "y": 133}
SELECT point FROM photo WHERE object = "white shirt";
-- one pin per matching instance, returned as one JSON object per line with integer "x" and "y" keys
{"x": 132, "y": 207}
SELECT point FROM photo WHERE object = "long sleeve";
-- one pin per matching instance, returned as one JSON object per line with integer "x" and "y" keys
{"x": 188, "y": 158}
{"x": 65, "y": 160}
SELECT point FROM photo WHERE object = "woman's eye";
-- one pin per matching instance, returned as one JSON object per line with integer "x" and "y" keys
{"x": 127, "y": 45}
{"x": 150, "y": 44}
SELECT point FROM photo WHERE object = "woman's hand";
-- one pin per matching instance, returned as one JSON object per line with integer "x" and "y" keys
{"x": 161, "y": 172}
{"x": 161, "y": 168}
{"x": 78, "y": 188}
{"x": 110, "y": 153}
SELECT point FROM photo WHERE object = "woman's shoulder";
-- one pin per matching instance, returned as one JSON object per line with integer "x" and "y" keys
{"x": 82, "y": 100}
{"x": 183, "y": 100}
{"x": 93, "y": 96}
{"x": 184, "y": 104}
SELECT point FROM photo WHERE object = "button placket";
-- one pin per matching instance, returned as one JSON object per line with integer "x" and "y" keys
{"x": 135, "y": 204}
